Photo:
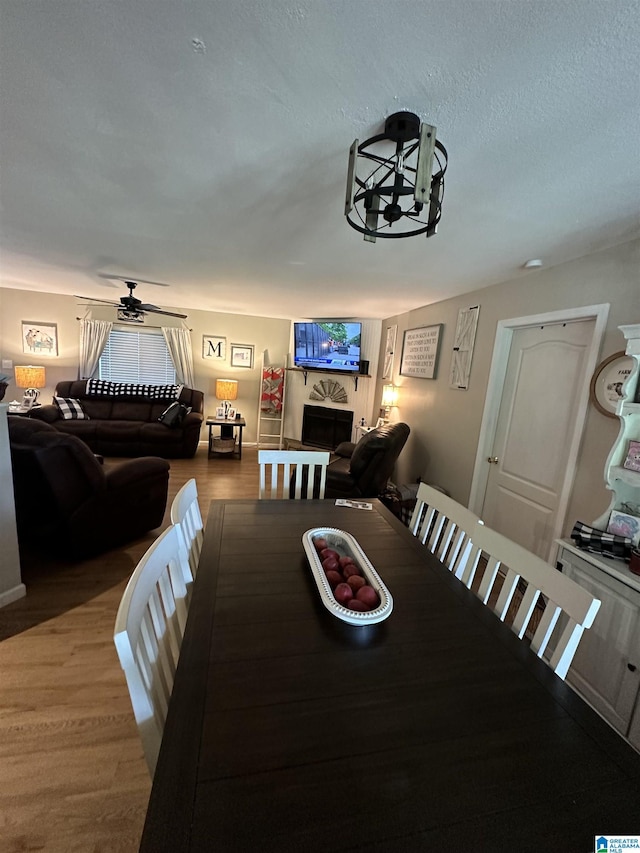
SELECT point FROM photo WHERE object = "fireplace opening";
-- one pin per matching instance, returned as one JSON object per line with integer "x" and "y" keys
{"x": 326, "y": 428}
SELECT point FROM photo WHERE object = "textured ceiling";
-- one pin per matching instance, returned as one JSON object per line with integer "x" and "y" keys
{"x": 204, "y": 144}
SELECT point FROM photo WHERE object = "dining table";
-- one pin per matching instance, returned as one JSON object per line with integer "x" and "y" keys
{"x": 436, "y": 728}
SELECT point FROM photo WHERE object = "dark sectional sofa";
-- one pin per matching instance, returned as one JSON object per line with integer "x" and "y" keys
{"x": 127, "y": 425}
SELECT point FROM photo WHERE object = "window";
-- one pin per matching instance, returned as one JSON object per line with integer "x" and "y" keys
{"x": 137, "y": 356}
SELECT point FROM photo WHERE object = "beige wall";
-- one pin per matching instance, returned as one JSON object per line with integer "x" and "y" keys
{"x": 263, "y": 333}
{"x": 445, "y": 423}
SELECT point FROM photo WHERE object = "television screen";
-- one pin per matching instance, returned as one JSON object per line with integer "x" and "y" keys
{"x": 327, "y": 346}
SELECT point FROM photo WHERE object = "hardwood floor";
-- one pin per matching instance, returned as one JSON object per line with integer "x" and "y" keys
{"x": 73, "y": 775}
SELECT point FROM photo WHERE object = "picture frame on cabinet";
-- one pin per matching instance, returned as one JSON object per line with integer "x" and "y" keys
{"x": 605, "y": 390}
{"x": 220, "y": 414}
{"x": 632, "y": 462}
{"x": 624, "y": 524}
{"x": 231, "y": 415}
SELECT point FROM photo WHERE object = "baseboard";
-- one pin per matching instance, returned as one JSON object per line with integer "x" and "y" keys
{"x": 12, "y": 594}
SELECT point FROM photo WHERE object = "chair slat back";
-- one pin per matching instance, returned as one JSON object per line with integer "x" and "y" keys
{"x": 445, "y": 527}
{"x": 308, "y": 467}
{"x": 148, "y": 634}
{"x": 186, "y": 515}
{"x": 560, "y": 595}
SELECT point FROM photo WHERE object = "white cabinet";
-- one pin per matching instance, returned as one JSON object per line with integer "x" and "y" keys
{"x": 606, "y": 666}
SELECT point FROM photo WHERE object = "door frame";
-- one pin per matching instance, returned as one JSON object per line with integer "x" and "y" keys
{"x": 502, "y": 346}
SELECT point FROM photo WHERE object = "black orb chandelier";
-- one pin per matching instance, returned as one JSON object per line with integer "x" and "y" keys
{"x": 395, "y": 194}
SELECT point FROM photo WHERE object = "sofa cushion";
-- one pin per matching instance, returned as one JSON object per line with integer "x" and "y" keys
{"x": 70, "y": 409}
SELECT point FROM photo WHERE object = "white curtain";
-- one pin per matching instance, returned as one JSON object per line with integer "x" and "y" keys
{"x": 179, "y": 346}
{"x": 94, "y": 335}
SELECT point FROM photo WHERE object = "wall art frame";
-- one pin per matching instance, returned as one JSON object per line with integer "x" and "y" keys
{"x": 39, "y": 338}
{"x": 389, "y": 350}
{"x": 242, "y": 355}
{"x": 420, "y": 350}
{"x": 214, "y": 347}
{"x": 463, "y": 344}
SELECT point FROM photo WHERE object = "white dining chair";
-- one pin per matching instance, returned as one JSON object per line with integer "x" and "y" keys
{"x": 309, "y": 468}
{"x": 536, "y": 583}
{"x": 186, "y": 515}
{"x": 445, "y": 527}
{"x": 148, "y": 634}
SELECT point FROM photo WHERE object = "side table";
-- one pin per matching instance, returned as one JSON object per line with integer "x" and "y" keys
{"x": 237, "y": 424}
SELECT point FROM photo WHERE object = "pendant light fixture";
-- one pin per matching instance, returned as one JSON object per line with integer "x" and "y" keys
{"x": 392, "y": 188}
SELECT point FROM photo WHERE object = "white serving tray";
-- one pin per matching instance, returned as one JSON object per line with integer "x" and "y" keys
{"x": 346, "y": 546}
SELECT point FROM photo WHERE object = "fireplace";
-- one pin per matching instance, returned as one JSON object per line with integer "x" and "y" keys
{"x": 325, "y": 427}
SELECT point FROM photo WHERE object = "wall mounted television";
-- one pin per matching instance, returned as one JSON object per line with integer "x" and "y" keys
{"x": 331, "y": 345}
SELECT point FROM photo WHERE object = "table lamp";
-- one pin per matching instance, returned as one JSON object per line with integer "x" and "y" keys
{"x": 226, "y": 390}
{"x": 30, "y": 378}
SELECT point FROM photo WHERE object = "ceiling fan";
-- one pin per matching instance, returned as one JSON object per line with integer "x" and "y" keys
{"x": 131, "y": 308}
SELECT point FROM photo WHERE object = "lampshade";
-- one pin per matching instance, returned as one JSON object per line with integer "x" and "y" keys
{"x": 389, "y": 396}
{"x": 28, "y": 376}
{"x": 226, "y": 389}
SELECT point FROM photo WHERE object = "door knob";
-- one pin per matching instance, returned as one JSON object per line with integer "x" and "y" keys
{"x": 492, "y": 460}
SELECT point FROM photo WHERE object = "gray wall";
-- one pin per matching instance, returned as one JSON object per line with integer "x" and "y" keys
{"x": 445, "y": 423}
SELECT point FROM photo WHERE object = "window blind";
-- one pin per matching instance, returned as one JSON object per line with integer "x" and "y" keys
{"x": 137, "y": 356}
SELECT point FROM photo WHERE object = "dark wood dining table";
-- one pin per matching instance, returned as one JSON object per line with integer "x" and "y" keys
{"x": 436, "y": 729}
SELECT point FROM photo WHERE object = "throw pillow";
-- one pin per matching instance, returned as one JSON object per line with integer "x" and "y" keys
{"x": 174, "y": 414}
{"x": 70, "y": 409}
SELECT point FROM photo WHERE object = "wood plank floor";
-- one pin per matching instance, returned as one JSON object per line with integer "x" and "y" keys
{"x": 72, "y": 774}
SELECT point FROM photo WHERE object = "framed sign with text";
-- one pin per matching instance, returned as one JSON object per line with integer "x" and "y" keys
{"x": 420, "y": 352}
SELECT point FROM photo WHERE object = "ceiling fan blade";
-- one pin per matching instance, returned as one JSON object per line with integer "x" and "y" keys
{"x": 98, "y": 301}
{"x": 111, "y": 277}
{"x": 166, "y": 313}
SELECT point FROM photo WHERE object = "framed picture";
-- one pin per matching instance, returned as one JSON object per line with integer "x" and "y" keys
{"x": 231, "y": 415}
{"x": 39, "y": 338}
{"x": 241, "y": 355}
{"x": 27, "y": 402}
{"x": 220, "y": 413}
{"x": 632, "y": 462}
{"x": 605, "y": 390}
{"x": 214, "y": 348}
{"x": 380, "y": 422}
{"x": 420, "y": 352}
{"x": 624, "y": 524}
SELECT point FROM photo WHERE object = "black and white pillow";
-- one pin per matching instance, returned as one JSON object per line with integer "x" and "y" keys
{"x": 107, "y": 388}
{"x": 70, "y": 409}
{"x": 174, "y": 414}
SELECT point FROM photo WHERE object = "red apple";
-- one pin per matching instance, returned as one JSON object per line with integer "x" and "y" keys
{"x": 329, "y": 552}
{"x": 343, "y": 593}
{"x": 368, "y": 595}
{"x": 350, "y": 569}
{"x": 355, "y": 582}
{"x": 334, "y": 579}
{"x": 320, "y": 543}
{"x": 330, "y": 564}
{"x": 356, "y": 604}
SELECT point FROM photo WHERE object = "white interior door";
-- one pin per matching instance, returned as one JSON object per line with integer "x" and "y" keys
{"x": 535, "y": 436}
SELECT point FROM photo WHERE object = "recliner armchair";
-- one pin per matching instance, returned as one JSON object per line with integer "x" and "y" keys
{"x": 70, "y": 503}
{"x": 363, "y": 469}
